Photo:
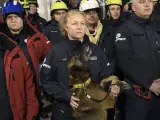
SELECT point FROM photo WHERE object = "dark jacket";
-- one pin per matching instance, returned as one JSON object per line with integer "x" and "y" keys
{"x": 34, "y": 42}
{"x": 54, "y": 72}
{"x": 5, "y": 109}
{"x": 37, "y": 21}
{"x": 108, "y": 44}
{"x": 107, "y": 41}
{"x": 52, "y": 31}
{"x": 19, "y": 81}
{"x": 125, "y": 16}
{"x": 137, "y": 48}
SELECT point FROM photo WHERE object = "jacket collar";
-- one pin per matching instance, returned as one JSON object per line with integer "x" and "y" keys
{"x": 142, "y": 21}
{"x": 26, "y": 31}
{"x": 8, "y": 40}
{"x": 76, "y": 45}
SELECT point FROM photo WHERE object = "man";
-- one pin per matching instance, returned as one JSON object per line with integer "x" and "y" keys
{"x": 31, "y": 42}
{"x": 34, "y": 18}
{"x": 52, "y": 28}
{"x": 94, "y": 26}
{"x": 37, "y": 45}
{"x": 137, "y": 47}
{"x": 112, "y": 23}
{"x": 114, "y": 20}
{"x": 114, "y": 9}
{"x": 95, "y": 30}
{"x": 17, "y": 88}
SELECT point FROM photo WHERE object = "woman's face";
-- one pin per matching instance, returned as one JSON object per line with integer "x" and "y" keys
{"x": 75, "y": 27}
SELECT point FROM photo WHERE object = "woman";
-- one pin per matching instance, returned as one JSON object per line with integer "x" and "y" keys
{"x": 56, "y": 70}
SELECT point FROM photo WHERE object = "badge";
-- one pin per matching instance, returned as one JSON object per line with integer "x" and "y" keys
{"x": 93, "y": 58}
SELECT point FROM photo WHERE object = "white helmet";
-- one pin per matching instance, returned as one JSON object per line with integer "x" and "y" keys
{"x": 88, "y": 4}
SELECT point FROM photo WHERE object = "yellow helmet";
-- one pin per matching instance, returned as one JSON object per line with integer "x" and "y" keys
{"x": 24, "y": 3}
{"x": 114, "y": 2}
{"x": 59, "y": 5}
{"x": 35, "y": 2}
{"x": 26, "y": 6}
{"x": 32, "y": 1}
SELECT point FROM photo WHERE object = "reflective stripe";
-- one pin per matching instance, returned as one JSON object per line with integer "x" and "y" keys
{"x": 47, "y": 66}
{"x": 48, "y": 42}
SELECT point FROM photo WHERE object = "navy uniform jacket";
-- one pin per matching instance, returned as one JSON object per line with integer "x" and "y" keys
{"x": 138, "y": 51}
{"x": 54, "y": 72}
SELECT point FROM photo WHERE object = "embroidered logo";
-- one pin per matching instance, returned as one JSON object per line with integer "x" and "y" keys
{"x": 108, "y": 64}
{"x": 118, "y": 37}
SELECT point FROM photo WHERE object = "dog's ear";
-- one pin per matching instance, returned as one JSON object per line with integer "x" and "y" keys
{"x": 85, "y": 53}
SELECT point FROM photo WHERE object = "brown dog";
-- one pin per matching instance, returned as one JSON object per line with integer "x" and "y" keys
{"x": 82, "y": 86}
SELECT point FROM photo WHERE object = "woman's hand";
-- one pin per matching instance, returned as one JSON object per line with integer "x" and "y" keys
{"x": 74, "y": 102}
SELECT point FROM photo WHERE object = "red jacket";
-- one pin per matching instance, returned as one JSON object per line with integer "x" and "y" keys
{"x": 19, "y": 80}
{"x": 37, "y": 45}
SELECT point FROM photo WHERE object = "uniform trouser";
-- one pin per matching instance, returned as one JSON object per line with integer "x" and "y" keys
{"x": 59, "y": 114}
{"x": 137, "y": 108}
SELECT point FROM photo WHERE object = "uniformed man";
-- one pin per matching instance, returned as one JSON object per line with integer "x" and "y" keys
{"x": 33, "y": 17}
{"x": 138, "y": 52}
{"x": 52, "y": 28}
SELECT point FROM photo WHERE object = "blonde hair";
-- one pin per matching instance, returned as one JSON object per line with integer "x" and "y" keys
{"x": 65, "y": 20}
